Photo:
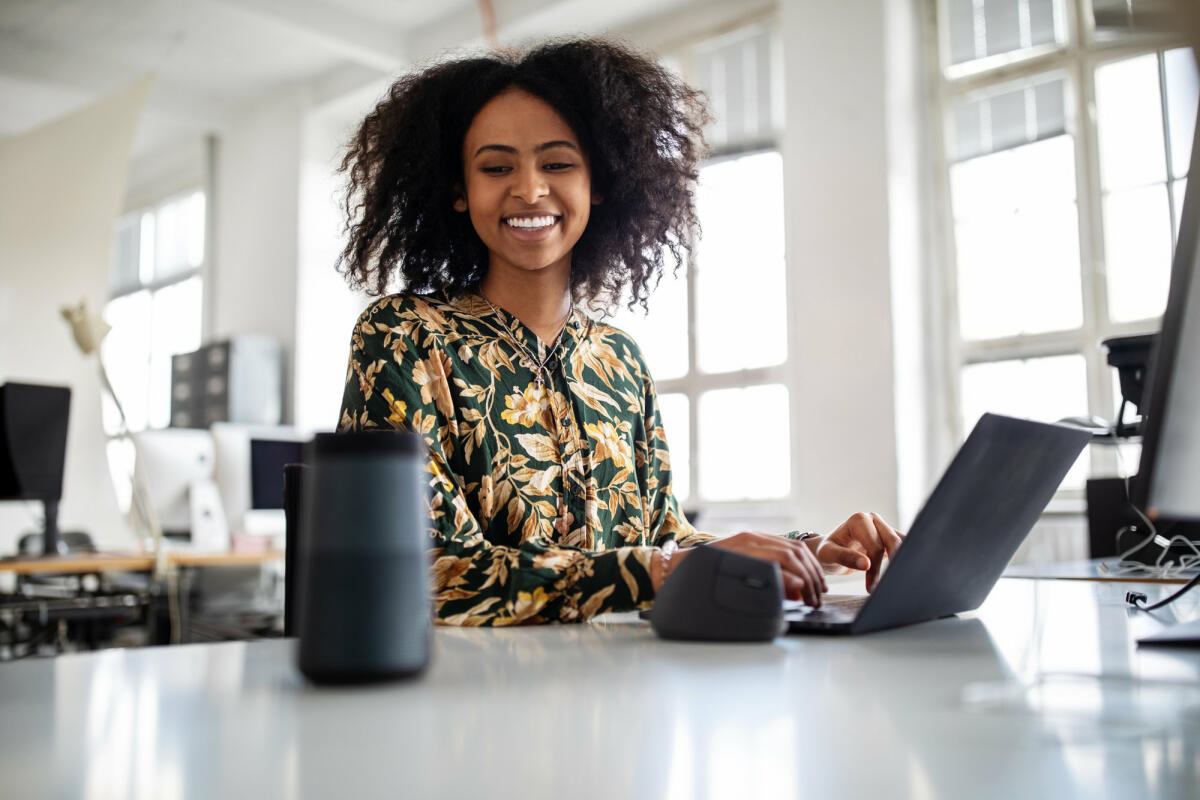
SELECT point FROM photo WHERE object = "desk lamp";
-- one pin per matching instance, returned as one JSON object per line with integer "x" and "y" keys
{"x": 89, "y": 329}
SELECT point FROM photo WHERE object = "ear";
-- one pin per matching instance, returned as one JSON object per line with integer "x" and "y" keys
{"x": 460, "y": 200}
{"x": 597, "y": 198}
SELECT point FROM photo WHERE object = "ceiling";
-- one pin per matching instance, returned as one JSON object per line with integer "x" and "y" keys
{"x": 214, "y": 59}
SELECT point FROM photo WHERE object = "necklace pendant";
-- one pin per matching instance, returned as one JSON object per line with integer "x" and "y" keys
{"x": 539, "y": 380}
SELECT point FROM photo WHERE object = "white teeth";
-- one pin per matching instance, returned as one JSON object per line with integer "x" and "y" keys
{"x": 530, "y": 222}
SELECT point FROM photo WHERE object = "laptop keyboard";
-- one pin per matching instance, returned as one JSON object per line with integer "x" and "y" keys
{"x": 837, "y": 608}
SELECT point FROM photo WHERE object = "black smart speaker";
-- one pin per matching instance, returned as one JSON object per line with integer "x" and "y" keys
{"x": 364, "y": 599}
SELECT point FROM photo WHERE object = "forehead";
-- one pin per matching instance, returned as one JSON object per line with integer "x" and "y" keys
{"x": 517, "y": 119}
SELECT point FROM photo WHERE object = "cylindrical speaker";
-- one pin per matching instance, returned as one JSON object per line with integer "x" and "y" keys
{"x": 364, "y": 597}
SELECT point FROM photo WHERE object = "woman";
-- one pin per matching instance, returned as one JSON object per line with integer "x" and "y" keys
{"x": 512, "y": 194}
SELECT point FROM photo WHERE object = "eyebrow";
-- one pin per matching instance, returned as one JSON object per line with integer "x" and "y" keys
{"x": 503, "y": 148}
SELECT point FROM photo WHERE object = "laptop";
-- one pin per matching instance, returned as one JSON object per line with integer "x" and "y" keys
{"x": 981, "y": 510}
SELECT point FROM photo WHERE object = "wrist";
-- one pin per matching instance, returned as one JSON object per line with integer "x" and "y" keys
{"x": 664, "y": 561}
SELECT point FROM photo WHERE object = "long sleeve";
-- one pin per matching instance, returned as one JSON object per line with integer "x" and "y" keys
{"x": 410, "y": 369}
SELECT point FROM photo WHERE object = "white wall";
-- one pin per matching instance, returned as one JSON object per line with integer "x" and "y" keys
{"x": 256, "y": 213}
{"x": 61, "y": 188}
{"x": 326, "y": 307}
{"x": 836, "y": 149}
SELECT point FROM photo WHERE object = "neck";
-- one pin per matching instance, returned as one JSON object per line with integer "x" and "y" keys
{"x": 539, "y": 299}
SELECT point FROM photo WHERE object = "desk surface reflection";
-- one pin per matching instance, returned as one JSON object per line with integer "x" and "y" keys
{"x": 1043, "y": 692}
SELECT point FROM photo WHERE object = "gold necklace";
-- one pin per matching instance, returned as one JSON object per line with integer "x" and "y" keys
{"x": 539, "y": 367}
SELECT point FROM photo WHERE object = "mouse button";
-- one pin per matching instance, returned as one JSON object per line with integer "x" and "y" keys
{"x": 746, "y": 594}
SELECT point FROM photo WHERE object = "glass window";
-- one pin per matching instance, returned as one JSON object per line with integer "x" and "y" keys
{"x": 741, "y": 303}
{"x": 745, "y": 454}
{"x": 1183, "y": 93}
{"x": 1130, "y": 124}
{"x": 1138, "y": 248}
{"x": 1044, "y": 389}
{"x": 1017, "y": 237}
{"x": 156, "y": 310}
{"x": 661, "y": 332}
{"x": 981, "y": 28}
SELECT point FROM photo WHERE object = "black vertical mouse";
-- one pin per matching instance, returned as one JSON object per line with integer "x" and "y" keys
{"x": 720, "y": 596}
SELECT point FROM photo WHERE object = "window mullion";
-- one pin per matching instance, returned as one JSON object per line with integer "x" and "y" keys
{"x": 689, "y": 383}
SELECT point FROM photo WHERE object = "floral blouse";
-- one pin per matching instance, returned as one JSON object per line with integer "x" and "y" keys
{"x": 548, "y": 497}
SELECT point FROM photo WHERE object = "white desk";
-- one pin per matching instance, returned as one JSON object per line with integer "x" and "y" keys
{"x": 1043, "y": 693}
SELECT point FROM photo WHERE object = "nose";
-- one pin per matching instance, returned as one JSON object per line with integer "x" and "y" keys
{"x": 529, "y": 185}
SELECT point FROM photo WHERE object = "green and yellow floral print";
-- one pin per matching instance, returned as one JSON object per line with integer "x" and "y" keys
{"x": 547, "y": 498}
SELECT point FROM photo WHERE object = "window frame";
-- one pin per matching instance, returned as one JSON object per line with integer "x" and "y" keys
{"x": 1082, "y": 51}
{"x": 152, "y": 287}
{"x": 720, "y": 514}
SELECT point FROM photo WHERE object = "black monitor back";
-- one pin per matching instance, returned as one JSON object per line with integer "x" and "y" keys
{"x": 33, "y": 440}
{"x": 267, "y": 459}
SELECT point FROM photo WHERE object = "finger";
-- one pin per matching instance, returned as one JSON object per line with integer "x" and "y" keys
{"x": 887, "y": 534}
{"x": 833, "y": 553}
{"x": 793, "y": 587}
{"x": 807, "y": 566}
{"x": 791, "y": 565}
{"x": 814, "y": 564}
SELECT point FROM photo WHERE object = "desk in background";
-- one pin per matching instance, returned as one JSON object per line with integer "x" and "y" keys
{"x": 121, "y": 602}
{"x": 1042, "y": 693}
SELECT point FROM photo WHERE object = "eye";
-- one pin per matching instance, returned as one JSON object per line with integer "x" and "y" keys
{"x": 558, "y": 166}
{"x": 499, "y": 170}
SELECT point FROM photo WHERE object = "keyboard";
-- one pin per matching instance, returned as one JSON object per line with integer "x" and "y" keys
{"x": 835, "y": 608}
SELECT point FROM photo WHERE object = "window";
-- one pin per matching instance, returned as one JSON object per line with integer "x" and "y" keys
{"x": 1067, "y": 140}
{"x": 155, "y": 305}
{"x": 718, "y": 381}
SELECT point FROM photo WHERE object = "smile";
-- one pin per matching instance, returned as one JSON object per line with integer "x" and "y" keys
{"x": 531, "y": 223}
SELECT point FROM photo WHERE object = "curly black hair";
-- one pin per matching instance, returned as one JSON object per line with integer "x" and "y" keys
{"x": 639, "y": 125}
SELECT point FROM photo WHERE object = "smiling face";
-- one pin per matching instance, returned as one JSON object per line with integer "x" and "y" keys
{"x": 527, "y": 187}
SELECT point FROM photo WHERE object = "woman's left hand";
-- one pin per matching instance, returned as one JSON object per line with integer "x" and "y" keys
{"x": 860, "y": 543}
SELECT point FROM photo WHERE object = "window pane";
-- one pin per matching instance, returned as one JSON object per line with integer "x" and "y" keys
{"x": 979, "y": 28}
{"x": 1137, "y": 246}
{"x": 1017, "y": 241}
{"x": 1129, "y": 122}
{"x": 180, "y": 235}
{"x": 1009, "y": 117}
{"x": 674, "y": 411}
{"x": 1044, "y": 389}
{"x": 962, "y": 30}
{"x": 146, "y": 248}
{"x": 740, "y": 266}
{"x": 1182, "y": 95}
{"x": 1002, "y": 26}
{"x": 126, "y": 254}
{"x": 734, "y": 71}
{"x": 744, "y": 451}
{"x": 662, "y": 332}
{"x": 126, "y": 353}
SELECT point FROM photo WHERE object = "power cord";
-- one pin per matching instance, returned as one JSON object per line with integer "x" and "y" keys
{"x": 1158, "y": 569}
{"x": 1136, "y": 599}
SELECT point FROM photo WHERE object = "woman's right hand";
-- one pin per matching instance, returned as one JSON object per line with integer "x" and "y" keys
{"x": 803, "y": 578}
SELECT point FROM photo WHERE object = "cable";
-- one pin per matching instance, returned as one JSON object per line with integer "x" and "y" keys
{"x": 1136, "y": 599}
{"x": 1184, "y": 563}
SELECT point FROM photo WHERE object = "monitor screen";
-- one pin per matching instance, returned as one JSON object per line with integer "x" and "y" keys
{"x": 267, "y": 458}
{"x": 1168, "y": 480}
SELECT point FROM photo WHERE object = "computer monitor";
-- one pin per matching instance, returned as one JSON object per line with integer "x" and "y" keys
{"x": 1167, "y": 485}
{"x": 267, "y": 459}
{"x": 170, "y": 462}
{"x": 33, "y": 449}
{"x": 249, "y": 471}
